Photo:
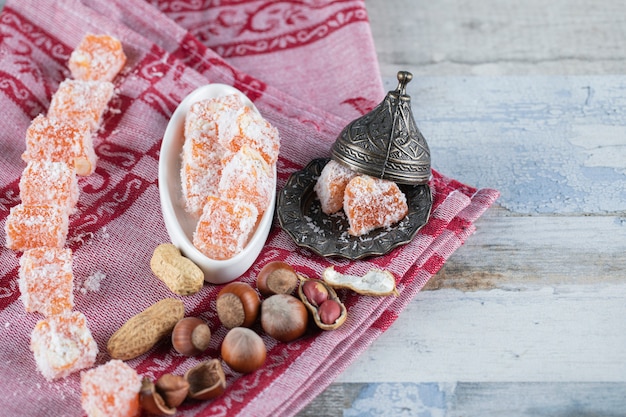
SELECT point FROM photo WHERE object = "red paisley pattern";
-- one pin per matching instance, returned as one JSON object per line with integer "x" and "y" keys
{"x": 17, "y": 91}
{"x": 258, "y": 29}
{"x": 241, "y": 28}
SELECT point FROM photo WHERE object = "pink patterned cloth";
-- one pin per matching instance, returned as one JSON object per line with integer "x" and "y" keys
{"x": 310, "y": 68}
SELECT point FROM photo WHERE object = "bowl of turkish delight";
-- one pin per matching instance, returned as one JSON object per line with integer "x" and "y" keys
{"x": 217, "y": 180}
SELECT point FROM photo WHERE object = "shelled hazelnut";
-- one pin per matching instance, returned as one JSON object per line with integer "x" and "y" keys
{"x": 162, "y": 398}
{"x": 173, "y": 389}
{"x": 206, "y": 380}
{"x": 151, "y": 401}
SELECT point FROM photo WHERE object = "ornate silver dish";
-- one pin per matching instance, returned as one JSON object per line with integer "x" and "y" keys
{"x": 384, "y": 143}
{"x": 301, "y": 216}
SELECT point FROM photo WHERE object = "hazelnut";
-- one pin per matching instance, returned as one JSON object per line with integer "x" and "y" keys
{"x": 173, "y": 389}
{"x": 206, "y": 380}
{"x": 151, "y": 401}
{"x": 191, "y": 336}
{"x": 329, "y": 311}
{"x": 238, "y": 305}
{"x": 315, "y": 292}
{"x": 284, "y": 317}
{"x": 276, "y": 277}
{"x": 243, "y": 350}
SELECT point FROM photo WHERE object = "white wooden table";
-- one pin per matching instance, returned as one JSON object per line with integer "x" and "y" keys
{"x": 528, "y": 318}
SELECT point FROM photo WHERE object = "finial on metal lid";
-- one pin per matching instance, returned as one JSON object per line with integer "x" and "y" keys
{"x": 404, "y": 77}
{"x": 386, "y": 142}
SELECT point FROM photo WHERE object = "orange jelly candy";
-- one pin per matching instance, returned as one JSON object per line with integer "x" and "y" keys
{"x": 248, "y": 128}
{"x": 49, "y": 183}
{"x": 224, "y": 227}
{"x": 370, "y": 203}
{"x": 81, "y": 101}
{"x": 200, "y": 171}
{"x": 111, "y": 390}
{"x": 331, "y": 184}
{"x": 202, "y": 153}
{"x": 62, "y": 344}
{"x": 60, "y": 141}
{"x": 46, "y": 280}
{"x": 203, "y": 114}
{"x": 198, "y": 184}
{"x": 247, "y": 177}
{"x": 97, "y": 58}
{"x": 29, "y": 227}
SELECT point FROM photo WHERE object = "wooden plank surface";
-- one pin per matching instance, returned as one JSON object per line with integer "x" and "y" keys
{"x": 549, "y": 334}
{"x": 528, "y": 317}
{"x": 500, "y": 37}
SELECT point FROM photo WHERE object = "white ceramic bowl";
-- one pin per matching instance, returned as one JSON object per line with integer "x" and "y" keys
{"x": 180, "y": 224}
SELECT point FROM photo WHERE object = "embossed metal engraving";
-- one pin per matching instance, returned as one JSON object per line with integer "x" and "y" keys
{"x": 301, "y": 216}
{"x": 386, "y": 142}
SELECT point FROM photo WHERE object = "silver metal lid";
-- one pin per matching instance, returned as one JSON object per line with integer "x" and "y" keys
{"x": 386, "y": 142}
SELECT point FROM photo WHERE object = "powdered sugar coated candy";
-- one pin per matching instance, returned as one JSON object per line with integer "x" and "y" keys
{"x": 49, "y": 139}
{"x": 198, "y": 184}
{"x": 370, "y": 203}
{"x": 225, "y": 227}
{"x": 202, "y": 115}
{"x": 29, "y": 227}
{"x": 81, "y": 101}
{"x": 46, "y": 280}
{"x": 200, "y": 170}
{"x": 50, "y": 183}
{"x": 97, "y": 58}
{"x": 62, "y": 344}
{"x": 331, "y": 184}
{"x": 248, "y": 128}
{"x": 202, "y": 153}
{"x": 111, "y": 390}
{"x": 246, "y": 176}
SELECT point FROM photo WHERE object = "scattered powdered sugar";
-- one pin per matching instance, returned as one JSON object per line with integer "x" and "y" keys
{"x": 82, "y": 238}
{"x": 314, "y": 227}
{"x": 87, "y": 238}
{"x": 93, "y": 281}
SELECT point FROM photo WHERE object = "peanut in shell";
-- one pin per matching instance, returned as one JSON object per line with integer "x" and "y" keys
{"x": 332, "y": 295}
{"x": 180, "y": 274}
{"x": 375, "y": 282}
{"x": 142, "y": 331}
